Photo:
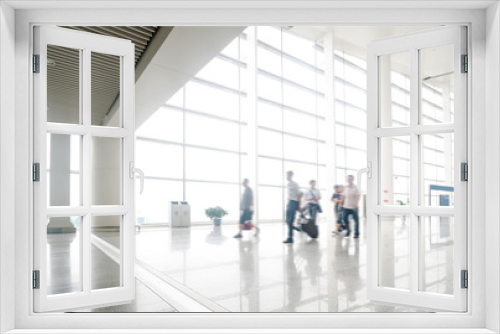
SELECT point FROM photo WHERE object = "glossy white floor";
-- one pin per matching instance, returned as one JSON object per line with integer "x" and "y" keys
{"x": 204, "y": 269}
{"x": 223, "y": 274}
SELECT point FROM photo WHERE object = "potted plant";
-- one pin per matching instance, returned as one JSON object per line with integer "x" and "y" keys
{"x": 216, "y": 213}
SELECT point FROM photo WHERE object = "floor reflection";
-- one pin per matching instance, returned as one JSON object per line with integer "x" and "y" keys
{"x": 261, "y": 274}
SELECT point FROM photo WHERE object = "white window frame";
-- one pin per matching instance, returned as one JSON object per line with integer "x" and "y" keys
{"x": 476, "y": 320}
{"x": 85, "y": 43}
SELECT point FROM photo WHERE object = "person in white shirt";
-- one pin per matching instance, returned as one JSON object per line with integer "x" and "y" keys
{"x": 293, "y": 205}
{"x": 312, "y": 197}
{"x": 351, "y": 203}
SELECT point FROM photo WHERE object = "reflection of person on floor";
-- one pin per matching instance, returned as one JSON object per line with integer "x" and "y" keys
{"x": 350, "y": 275}
{"x": 293, "y": 205}
{"x": 338, "y": 200}
{"x": 246, "y": 207}
{"x": 312, "y": 197}
{"x": 350, "y": 206}
{"x": 249, "y": 255}
{"x": 309, "y": 251}
{"x": 293, "y": 282}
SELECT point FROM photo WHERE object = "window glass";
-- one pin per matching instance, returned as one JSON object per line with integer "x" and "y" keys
{"x": 159, "y": 159}
{"x": 268, "y": 60}
{"x": 270, "y": 143}
{"x": 211, "y": 132}
{"x": 202, "y": 195}
{"x": 270, "y": 36}
{"x": 152, "y": 204}
{"x": 300, "y": 123}
{"x": 211, "y": 165}
{"x": 270, "y": 115}
{"x": 206, "y": 98}
{"x": 300, "y": 149}
{"x": 271, "y": 205}
{"x": 270, "y": 171}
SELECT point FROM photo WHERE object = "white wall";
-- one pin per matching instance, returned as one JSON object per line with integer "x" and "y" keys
{"x": 492, "y": 162}
{"x": 7, "y": 122}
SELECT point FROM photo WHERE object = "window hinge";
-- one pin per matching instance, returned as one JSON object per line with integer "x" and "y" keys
{"x": 464, "y": 167}
{"x": 36, "y": 172}
{"x": 36, "y": 63}
{"x": 465, "y": 279}
{"x": 465, "y": 64}
{"x": 36, "y": 279}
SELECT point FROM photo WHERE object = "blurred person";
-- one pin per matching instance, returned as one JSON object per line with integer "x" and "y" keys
{"x": 246, "y": 207}
{"x": 338, "y": 199}
{"x": 350, "y": 206}
{"x": 294, "y": 195}
{"x": 312, "y": 197}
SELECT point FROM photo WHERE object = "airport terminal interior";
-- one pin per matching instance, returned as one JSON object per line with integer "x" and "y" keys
{"x": 217, "y": 105}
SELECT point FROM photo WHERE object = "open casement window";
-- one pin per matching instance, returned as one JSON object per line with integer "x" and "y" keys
{"x": 417, "y": 194}
{"x": 84, "y": 151}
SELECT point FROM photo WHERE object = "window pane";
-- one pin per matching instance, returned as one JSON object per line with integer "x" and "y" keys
{"x": 436, "y": 254}
{"x": 269, "y": 115}
{"x": 106, "y": 171}
{"x": 271, "y": 171}
{"x": 64, "y": 251}
{"x": 300, "y": 149}
{"x": 152, "y": 204}
{"x": 437, "y": 84}
{"x": 270, "y": 36}
{"x": 211, "y": 100}
{"x": 63, "y": 85}
{"x": 158, "y": 159}
{"x": 437, "y": 172}
{"x": 394, "y": 88}
{"x": 302, "y": 173}
{"x": 106, "y": 262}
{"x": 202, "y": 195}
{"x": 395, "y": 170}
{"x": 270, "y": 143}
{"x": 270, "y": 203}
{"x": 300, "y": 123}
{"x": 211, "y": 165}
{"x": 206, "y": 131}
{"x": 63, "y": 170}
{"x": 299, "y": 73}
{"x": 299, "y": 98}
{"x": 165, "y": 124}
{"x": 298, "y": 47}
{"x": 394, "y": 252}
{"x": 268, "y": 60}
{"x": 269, "y": 88}
{"x": 105, "y": 89}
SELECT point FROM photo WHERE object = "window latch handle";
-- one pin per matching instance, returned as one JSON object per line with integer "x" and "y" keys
{"x": 133, "y": 171}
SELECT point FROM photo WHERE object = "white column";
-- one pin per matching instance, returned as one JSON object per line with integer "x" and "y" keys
{"x": 330, "y": 120}
{"x": 60, "y": 154}
{"x": 251, "y": 129}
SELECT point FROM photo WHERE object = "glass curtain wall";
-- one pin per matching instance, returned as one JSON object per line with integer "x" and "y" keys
{"x": 190, "y": 148}
{"x": 194, "y": 147}
{"x": 290, "y": 116}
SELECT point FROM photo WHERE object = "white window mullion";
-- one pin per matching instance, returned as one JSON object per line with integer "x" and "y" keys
{"x": 85, "y": 74}
{"x": 414, "y": 169}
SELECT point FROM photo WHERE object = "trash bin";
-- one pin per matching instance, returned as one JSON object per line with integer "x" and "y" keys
{"x": 180, "y": 214}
